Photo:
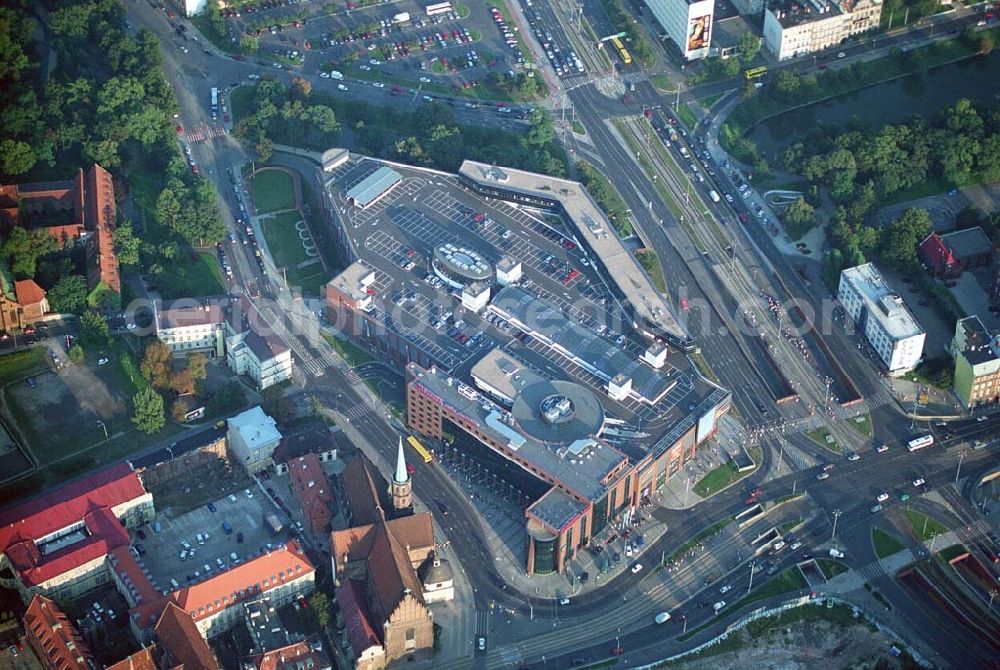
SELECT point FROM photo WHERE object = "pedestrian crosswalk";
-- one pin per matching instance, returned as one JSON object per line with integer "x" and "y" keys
{"x": 357, "y": 411}
{"x": 202, "y": 133}
{"x": 879, "y": 399}
{"x": 872, "y": 571}
{"x": 314, "y": 366}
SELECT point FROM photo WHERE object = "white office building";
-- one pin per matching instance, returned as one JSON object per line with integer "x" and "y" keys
{"x": 881, "y": 315}
{"x": 252, "y": 437}
{"x": 687, "y": 23}
{"x": 799, "y": 27}
{"x": 187, "y": 326}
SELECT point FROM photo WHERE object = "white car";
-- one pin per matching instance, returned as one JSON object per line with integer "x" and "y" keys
{"x": 982, "y": 418}
{"x": 637, "y": 568}
{"x": 425, "y": 80}
{"x": 841, "y": 55}
{"x": 662, "y": 617}
{"x": 102, "y": 361}
{"x": 324, "y": 75}
{"x": 877, "y": 508}
{"x": 919, "y": 482}
{"x": 795, "y": 546}
{"x": 779, "y": 545}
{"x": 341, "y": 87}
{"x": 823, "y": 475}
{"x": 718, "y": 606}
{"x": 248, "y": 493}
{"x": 564, "y": 601}
{"x": 375, "y": 61}
{"x": 378, "y": 84}
{"x": 364, "y": 67}
{"x": 882, "y": 448}
{"x": 232, "y": 498}
{"x": 882, "y": 497}
{"x": 628, "y": 549}
{"x": 725, "y": 589}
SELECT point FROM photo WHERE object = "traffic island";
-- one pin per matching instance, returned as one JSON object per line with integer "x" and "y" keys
{"x": 885, "y": 544}
{"x": 823, "y": 438}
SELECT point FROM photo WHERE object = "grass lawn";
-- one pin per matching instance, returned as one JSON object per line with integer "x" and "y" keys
{"x": 885, "y": 544}
{"x": 663, "y": 83}
{"x": 719, "y": 478}
{"x": 949, "y": 553}
{"x": 18, "y": 364}
{"x": 240, "y": 101}
{"x": 822, "y": 437}
{"x": 923, "y": 526}
{"x": 351, "y": 353}
{"x": 831, "y": 568}
{"x": 686, "y": 116}
{"x": 707, "y": 102}
{"x": 789, "y": 525}
{"x": 651, "y": 264}
{"x": 578, "y": 128}
{"x": 283, "y": 239}
{"x": 702, "y": 534}
{"x": 271, "y": 191}
{"x": 309, "y": 279}
{"x": 785, "y": 582}
{"x": 862, "y": 424}
{"x": 191, "y": 277}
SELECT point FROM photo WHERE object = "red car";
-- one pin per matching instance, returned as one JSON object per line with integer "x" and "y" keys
{"x": 410, "y": 469}
{"x": 180, "y": 129}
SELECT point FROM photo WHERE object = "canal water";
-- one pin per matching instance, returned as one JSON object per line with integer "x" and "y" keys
{"x": 923, "y": 94}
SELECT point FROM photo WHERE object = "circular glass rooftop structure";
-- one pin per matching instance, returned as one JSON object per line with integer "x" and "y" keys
{"x": 558, "y": 412}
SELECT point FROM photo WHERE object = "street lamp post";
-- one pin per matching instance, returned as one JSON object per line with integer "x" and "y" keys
{"x": 102, "y": 425}
{"x": 836, "y": 515}
{"x": 753, "y": 564}
{"x": 687, "y": 487}
{"x": 684, "y": 616}
{"x": 959, "y": 468}
{"x": 993, "y": 594}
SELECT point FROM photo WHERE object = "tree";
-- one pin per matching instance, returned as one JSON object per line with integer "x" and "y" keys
{"x": 76, "y": 354}
{"x": 155, "y": 367}
{"x": 147, "y": 413}
{"x": 182, "y": 383}
{"x": 69, "y": 295}
{"x": 984, "y": 44}
{"x": 799, "y": 218}
{"x": 319, "y": 602}
{"x": 249, "y": 43}
{"x": 301, "y": 87}
{"x": 901, "y": 237}
{"x": 748, "y": 47}
{"x": 179, "y": 409}
{"x": 197, "y": 367}
{"x": 126, "y": 244}
{"x": 22, "y": 248}
{"x": 18, "y": 157}
{"x": 93, "y": 329}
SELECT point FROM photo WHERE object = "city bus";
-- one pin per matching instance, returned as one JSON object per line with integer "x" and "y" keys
{"x": 438, "y": 8}
{"x": 755, "y": 72}
{"x": 215, "y": 99}
{"x": 920, "y": 442}
{"x": 419, "y": 448}
{"x": 622, "y": 51}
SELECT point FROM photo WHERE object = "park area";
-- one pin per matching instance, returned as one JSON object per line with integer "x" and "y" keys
{"x": 294, "y": 251}
{"x": 272, "y": 191}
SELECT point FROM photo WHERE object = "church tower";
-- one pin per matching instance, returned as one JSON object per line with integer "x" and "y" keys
{"x": 402, "y": 487}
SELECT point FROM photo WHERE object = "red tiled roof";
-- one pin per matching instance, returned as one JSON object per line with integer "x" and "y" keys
{"x": 293, "y": 657}
{"x": 390, "y": 572}
{"x": 28, "y": 292}
{"x": 312, "y": 489}
{"x": 935, "y": 251}
{"x": 72, "y": 231}
{"x": 247, "y": 580}
{"x": 105, "y": 533}
{"x": 69, "y": 504}
{"x": 140, "y": 660}
{"x": 124, "y": 566}
{"x": 100, "y": 215}
{"x": 53, "y": 637}
{"x": 181, "y": 642}
{"x": 358, "y": 479}
{"x": 357, "y": 619}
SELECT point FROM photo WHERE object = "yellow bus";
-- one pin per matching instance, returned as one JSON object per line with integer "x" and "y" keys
{"x": 419, "y": 448}
{"x": 755, "y": 72}
{"x": 622, "y": 51}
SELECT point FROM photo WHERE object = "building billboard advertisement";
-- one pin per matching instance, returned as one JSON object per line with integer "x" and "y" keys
{"x": 699, "y": 35}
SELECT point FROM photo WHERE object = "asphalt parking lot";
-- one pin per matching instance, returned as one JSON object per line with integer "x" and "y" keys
{"x": 397, "y": 236}
{"x": 246, "y": 516}
{"x": 446, "y": 49}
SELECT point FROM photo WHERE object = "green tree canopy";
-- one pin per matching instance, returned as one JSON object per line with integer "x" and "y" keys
{"x": 23, "y": 247}
{"x": 147, "y": 414}
{"x": 900, "y": 238}
{"x": 93, "y": 329}
{"x": 69, "y": 295}
{"x": 748, "y": 47}
{"x": 126, "y": 245}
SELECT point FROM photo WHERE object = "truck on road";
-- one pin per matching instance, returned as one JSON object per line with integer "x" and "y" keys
{"x": 714, "y": 196}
